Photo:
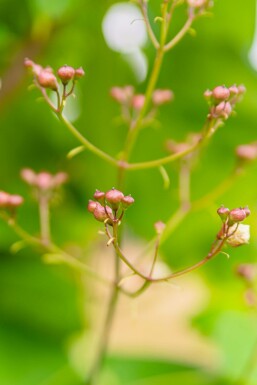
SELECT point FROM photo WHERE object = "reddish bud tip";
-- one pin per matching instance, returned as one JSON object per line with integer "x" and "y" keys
{"x": 114, "y": 197}
{"x": 99, "y": 212}
{"x": 233, "y": 90}
{"x": 91, "y": 206}
{"x": 99, "y": 195}
{"x": 237, "y": 215}
{"x": 223, "y": 212}
{"x": 207, "y": 94}
{"x": 221, "y": 93}
{"x": 241, "y": 89}
{"x": 28, "y": 176}
{"x": 138, "y": 101}
{"x": 4, "y": 199}
{"x": 28, "y": 63}
{"x": 66, "y": 73}
{"x": 162, "y": 96}
{"x": 47, "y": 80}
{"x": 247, "y": 271}
{"x": 79, "y": 73}
{"x": 15, "y": 200}
{"x": 247, "y": 151}
{"x": 44, "y": 180}
{"x": 159, "y": 227}
{"x": 127, "y": 201}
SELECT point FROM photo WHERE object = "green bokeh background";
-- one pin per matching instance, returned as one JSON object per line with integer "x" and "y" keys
{"x": 40, "y": 306}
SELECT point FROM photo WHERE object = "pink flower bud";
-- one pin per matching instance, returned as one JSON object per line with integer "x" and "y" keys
{"x": 233, "y": 90}
{"x": 114, "y": 197}
{"x": 99, "y": 195}
{"x": 59, "y": 179}
{"x": 162, "y": 96}
{"x": 118, "y": 95}
{"x": 127, "y": 201}
{"x": 15, "y": 200}
{"x": 247, "y": 271}
{"x": 29, "y": 176}
{"x": 207, "y": 94}
{"x": 91, "y": 206}
{"x": 196, "y": 3}
{"x": 247, "y": 211}
{"x": 100, "y": 213}
{"x": 138, "y": 101}
{"x": 28, "y": 63}
{"x": 47, "y": 80}
{"x": 237, "y": 215}
{"x": 79, "y": 73}
{"x": 221, "y": 93}
{"x": 66, "y": 73}
{"x": 223, "y": 212}
{"x": 247, "y": 151}
{"x": 241, "y": 89}
{"x": 222, "y": 110}
{"x": 44, "y": 180}
{"x": 4, "y": 199}
{"x": 159, "y": 227}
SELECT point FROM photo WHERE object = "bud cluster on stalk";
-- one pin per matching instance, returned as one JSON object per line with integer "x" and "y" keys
{"x": 133, "y": 103}
{"x": 45, "y": 77}
{"x": 109, "y": 206}
{"x": 10, "y": 201}
{"x": 222, "y": 100}
{"x": 233, "y": 230}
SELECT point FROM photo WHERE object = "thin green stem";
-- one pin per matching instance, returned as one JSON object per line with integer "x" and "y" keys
{"x": 179, "y": 35}
{"x": 151, "y": 34}
{"x": 91, "y": 147}
{"x": 103, "y": 344}
{"x": 44, "y": 218}
{"x": 56, "y": 253}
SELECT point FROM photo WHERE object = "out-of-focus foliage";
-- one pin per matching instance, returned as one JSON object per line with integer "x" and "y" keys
{"x": 39, "y": 306}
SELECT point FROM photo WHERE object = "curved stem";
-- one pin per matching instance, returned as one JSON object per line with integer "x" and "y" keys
{"x": 85, "y": 142}
{"x": 143, "y": 7}
{"x": 179, "y": 35}
{"x": 216, "y": 250}
{"x": 59, "y": 255}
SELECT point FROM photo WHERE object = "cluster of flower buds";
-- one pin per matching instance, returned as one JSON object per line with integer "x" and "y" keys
{"x": 222, "y": 100}
{"x": 247, "y": 152}
{"x": 237, "y": 234}
{"x": 43, "y": 181}
{"x": 46, "y": 78}
{"x": 126, "y": 96}
{"x": 110, "y": 206}
{"x": 10, "y": 201}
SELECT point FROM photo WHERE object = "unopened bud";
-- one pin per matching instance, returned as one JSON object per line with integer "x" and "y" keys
{"x": 247, "y": 151}
{"x": 100, "y": 213}
{"x": 28, "y": 63}
{"x": 247, "y": 271}
{"x": 196, "y": 3}
{"x": 221, "y": 93}
{"x": 207, "y": 94}
{"x": 91, "y": 206}
{"x": 79, "y": 73}
{"x": 59, "y": 179}
{"x": 247, "y": 211}
{"x": 66, "y": 73}
{"x": 223, "y": 212}
{"x": 159, "y": 227}
{"x": 4, "y": 199}
{"x": 29, "y": 176}
{"x": 237, "y": 215}
{"x": 47, "y": 80}
{"x": 44, "y": 180}
{"x": 223, "y": 110}
{"x": 138, "y": 101}
{"x": 99, "y": 196}
{"x": 114, "y": 197}
{"x": 15, "y": 200}
{"x": 233, "y": 90}
{"x": 241, "y": 89}
{"x": 127, "y": 201}
{"x": 162, "y": 96}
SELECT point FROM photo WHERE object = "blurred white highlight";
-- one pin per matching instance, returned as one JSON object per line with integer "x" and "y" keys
{"x": 125, "y": 32}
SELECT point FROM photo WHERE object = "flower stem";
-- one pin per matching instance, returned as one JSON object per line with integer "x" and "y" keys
{"x": 44, "y": 218}
{"x": 103, "y": 344}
